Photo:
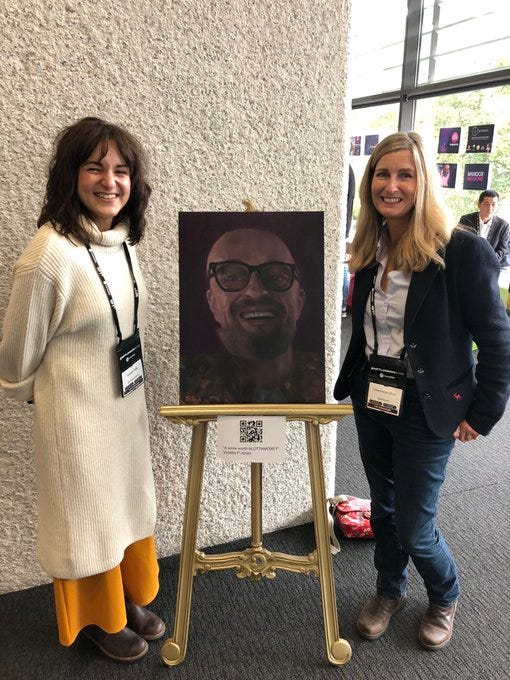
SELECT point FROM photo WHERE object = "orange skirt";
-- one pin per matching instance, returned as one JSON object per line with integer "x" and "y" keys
{"x": 99, "y": 599}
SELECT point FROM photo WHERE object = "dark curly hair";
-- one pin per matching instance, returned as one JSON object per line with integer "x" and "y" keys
{"x": 73, "y": 146}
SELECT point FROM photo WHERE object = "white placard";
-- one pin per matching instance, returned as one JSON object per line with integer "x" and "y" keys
{"x": 251, "y": 439}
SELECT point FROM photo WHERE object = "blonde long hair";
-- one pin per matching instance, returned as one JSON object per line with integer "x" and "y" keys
{"x": 430, "y": 226}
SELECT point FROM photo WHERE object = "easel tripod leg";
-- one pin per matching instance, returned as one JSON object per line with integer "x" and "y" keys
{"x": 338, "y": 650}
{"x": 173, "y": 650}
{"x": 256, "y": 505}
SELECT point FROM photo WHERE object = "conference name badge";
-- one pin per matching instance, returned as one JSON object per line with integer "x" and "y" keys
{"x": 386, "y": 383}
{"x": 130, "y": 361}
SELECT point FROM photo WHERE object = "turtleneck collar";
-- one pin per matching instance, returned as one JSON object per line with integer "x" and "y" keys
{"x": 112, "y": 237}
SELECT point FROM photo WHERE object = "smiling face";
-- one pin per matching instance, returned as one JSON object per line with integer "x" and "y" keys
{"x": 393, "y": 187}
{"x": 255, "y": 322}
{"x": 104, "y": 185}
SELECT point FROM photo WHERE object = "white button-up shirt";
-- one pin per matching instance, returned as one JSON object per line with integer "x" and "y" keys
{"x": 389, "y": 310}
{"x": 485, "y": 227}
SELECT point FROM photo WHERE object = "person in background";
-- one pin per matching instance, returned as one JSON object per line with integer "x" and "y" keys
{"x": 423, "y": 291}
{"x": 72, "y": 346}
{"x": 487, "y": 224}
{"x": 351, "y": 190}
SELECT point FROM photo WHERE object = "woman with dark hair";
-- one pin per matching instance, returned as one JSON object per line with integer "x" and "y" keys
{"x": 72, "y": 345}
{"x": 422, "y": 292}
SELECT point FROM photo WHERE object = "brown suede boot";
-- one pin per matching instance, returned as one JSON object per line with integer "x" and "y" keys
{"x": 436, "y": 627}
{"x": 376, "y": 614}
{"x": 122, "y": 646}
{"x": 145, "y": 624}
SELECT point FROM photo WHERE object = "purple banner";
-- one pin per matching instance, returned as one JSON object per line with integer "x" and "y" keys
{"x": 476, "y": 176}
{"x": 447, "y": 174}
{"x": 371, "y": 141}
{"x": 480, "y": 138}
{"x": 356, "y": 146}
{"x": 449, "y": 140}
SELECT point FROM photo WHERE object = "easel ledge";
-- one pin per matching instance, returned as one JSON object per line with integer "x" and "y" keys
{"x": 321, "y": 414}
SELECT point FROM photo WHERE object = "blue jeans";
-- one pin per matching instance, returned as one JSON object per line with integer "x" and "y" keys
{"x": 405, "y": 464}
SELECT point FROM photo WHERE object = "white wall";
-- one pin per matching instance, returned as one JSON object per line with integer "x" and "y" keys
{"x": 232, "y": 99}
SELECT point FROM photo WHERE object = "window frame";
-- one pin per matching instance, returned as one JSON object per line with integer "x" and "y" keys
{"x": 410, "y": 91}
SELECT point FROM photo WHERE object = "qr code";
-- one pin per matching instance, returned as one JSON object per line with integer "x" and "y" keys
{"x": 250, "y": 431}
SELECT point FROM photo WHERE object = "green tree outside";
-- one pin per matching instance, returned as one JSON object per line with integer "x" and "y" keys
{"x": 480, "y": 107}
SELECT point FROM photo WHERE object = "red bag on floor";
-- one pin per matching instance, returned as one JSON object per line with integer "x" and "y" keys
{"x": 351, "y": 516}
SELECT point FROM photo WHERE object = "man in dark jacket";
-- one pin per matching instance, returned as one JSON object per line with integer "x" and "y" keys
{"x": 486, "y": 223}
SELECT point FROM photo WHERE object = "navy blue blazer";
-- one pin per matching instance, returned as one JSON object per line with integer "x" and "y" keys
{"x": 445, "y": 310}
{"x": 498, "y": 236}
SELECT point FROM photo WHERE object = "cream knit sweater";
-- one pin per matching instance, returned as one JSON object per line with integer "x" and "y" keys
{"x": 94, "y": 477}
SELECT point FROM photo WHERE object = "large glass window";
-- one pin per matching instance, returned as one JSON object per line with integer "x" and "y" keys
{"x": 463, "y": 38}
{"x": 437, "y": 64}
{"x": 376, "y": 55}
{"x": 447, "y": 39}
{"x": 460, "y": 111}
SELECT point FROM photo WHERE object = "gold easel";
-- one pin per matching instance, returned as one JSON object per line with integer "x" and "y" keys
{"x": 255, "y": 562}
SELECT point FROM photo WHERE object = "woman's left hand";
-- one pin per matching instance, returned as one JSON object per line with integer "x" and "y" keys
{"x": 465, "y": 433}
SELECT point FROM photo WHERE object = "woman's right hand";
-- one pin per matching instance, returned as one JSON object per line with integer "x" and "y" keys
{"x": 465, "y": 433}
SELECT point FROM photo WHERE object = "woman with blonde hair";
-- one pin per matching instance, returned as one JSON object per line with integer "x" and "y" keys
{"x": 423, "y": 291}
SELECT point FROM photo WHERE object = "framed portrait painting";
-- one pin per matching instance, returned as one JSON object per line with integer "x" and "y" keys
{"x": 251, "y": 307}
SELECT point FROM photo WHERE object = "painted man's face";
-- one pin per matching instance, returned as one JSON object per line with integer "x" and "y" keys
{"x": 257, "y": 310}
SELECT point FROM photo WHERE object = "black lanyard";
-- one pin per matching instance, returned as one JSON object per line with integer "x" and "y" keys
{"x": 374, "y": 325}
{"x": 108, "y": 292}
